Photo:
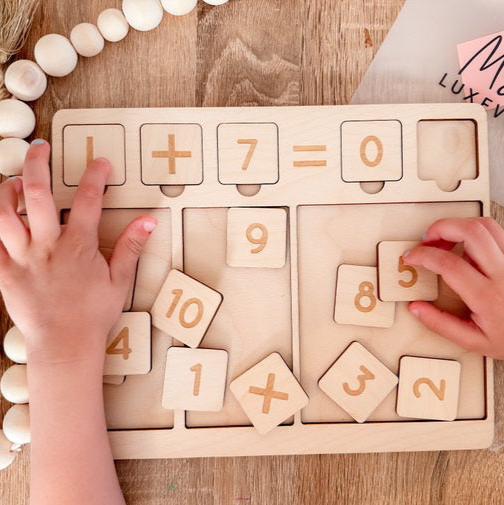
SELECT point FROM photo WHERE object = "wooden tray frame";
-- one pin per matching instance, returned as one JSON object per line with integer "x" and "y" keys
{"x": 320, "y": 125}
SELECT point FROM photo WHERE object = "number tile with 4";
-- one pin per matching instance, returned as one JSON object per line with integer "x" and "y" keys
{"x": 358, "y": 382}
{"x": 400, "y": 282}
{"x": 428, "y": 388}
{"x": 257, "y": 237}
{"x": 357, "y": 300}
{"x": 269, "y": 393}
{"x": 195, "y": 379}
{"x": 185, "y": 308}
{"x": 128, "y": 350}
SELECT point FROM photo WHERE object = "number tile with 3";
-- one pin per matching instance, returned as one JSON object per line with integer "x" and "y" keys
{"x": 128, "y": 350}
{"x": 358, "y": 382}
{"x": 269, "y": 393}
{"x": 257, "y": 237}
{"x": 357, "y": 300}
{"x": 185, "y": 308}
{"x": 248, "y": 153}
{"x": 399, "y": 282}
{"x": 428, "y": 388}
{"x": 371, "y": 151}
{"x": 195, "y": 379}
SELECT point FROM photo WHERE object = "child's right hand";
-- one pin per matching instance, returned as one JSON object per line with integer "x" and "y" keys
{"x": 478, "y": 278}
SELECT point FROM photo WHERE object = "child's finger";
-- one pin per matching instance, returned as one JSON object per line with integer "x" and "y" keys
{"x": 478, "y": 242}
{"x": 40, "y": 207}
{"x": 87, "y": 205}
{"x": 495, "y": 229}
{"x": 127, "y": 251}
{"x": 463, "y": 333}
{"x": 465, "y": 280}
{"x": 13, "y": 233}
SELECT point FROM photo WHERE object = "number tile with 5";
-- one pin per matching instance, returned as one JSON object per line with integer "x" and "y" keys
{"x": 195, "y": 379}
{"x": 358, "y": 382}
{"x": 185, "y": 308}
{"x": 399, "y": 282}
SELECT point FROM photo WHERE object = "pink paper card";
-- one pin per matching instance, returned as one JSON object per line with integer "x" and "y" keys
{"x": 482, "y": 69}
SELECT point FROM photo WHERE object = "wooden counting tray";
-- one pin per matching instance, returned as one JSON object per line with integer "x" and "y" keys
{"x": 346, "y": 178}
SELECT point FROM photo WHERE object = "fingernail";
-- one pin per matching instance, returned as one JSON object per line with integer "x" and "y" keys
{"x": 149, "y": 226}
{"x": 405, "y": 254}
{"x": 414, "y": 311}
{"x": 38, "y": 142}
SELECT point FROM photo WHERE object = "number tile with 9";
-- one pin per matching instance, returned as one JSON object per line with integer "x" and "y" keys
{"x": 185, "y": 308}
{"x": 195, "y": 379}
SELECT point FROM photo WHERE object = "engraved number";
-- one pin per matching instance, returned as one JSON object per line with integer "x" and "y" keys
{"x": 185, "y": 307}
{"x": 379, "y": 151}
{"x": 406, "y": 268}
{"x": 253, "y": 144}
{"x": 260, "y": 241}
{"x": 197, "y": 378}
{"x": 438, "y": 391}
{"x": 366, "y": 290}
{"x": 122, "y": 338}
{"x": 362, "y": 378}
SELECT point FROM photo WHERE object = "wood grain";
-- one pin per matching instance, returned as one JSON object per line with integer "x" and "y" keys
{"x": 256, "y": 52}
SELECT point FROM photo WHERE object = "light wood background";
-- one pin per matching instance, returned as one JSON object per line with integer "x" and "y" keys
{"x": 256, "y": 52}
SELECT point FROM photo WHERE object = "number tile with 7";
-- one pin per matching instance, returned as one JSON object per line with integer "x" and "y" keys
{"x": 428, "y": 388}
{"x": 399, "y": 282}
{"x": 357, "y": 300}
{"x": 358, "y": 382}
{"x": 185, "y": 308}
{"x": 128, "y": 349}
{"x": 195, "y": 379}
{"x": 257, "y": 237}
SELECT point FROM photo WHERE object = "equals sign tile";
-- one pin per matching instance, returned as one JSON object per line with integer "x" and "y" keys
{"x": 310, "y": 163}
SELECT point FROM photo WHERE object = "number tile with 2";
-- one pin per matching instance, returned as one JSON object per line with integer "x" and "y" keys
{"x": 185, "y": 308}
{"x": 195, "y": 379}
{"x": 358, "y": 382}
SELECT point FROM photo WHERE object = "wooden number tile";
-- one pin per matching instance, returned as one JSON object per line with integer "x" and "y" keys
{"x": 399, "y": 282}
{"x": 256, "y": 237}
{"x": 84, "y": 143}
{"x": 248, "y": 153}
{"x": 185, "y": 308}
{"x": 172, "y": 154}
{"x": 195, "y": 379}
{"x": 428, "y": 388}
{"x": 358, "y": 382}
{"x": 128, "y": 349}
{"x": 357, "y": 298}
{"x": 269, "y": 393}
{"x": 371, "y": 151}
{"x": 447, "y": 152}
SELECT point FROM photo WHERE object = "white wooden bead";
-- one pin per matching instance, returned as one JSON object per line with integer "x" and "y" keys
{"x": 12, "y": 155}
{"x": 179, "y": 7}
{"x": 15, "y": 346}
{"x": 16, "y": 424}
{"x": 25, "y": 80}
{"x": 16, "y": 119}
{"x": 143, "y": 15}
{"x": 55, "y": 55}
{"x": 215, "y": 2}
{"x": 87, "y": 40}
{"x": 14, "y": 384}
{"x": 7, "y": 455}
{"x": 112, "y": 25}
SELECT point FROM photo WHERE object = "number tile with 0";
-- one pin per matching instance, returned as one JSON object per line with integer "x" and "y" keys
{"x": 428, "y": 388}
{"x": 195, "y": 379}
{"x": 400, "y": 282}
{"x": 185, "y": 308}
{"x": 358, "y": 382}
{"x": 257, "y": 237}
{"x": 128, "y": 350}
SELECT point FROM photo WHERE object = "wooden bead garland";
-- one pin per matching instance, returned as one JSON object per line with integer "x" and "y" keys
{"x": 55, "y": 55}
{"x": 87, "y": 40}
{"x": 16, "y": 424}
{"x": 7, "y": 454}
{"x": 25, "y": 80}
{"x": 112, "y": 25}
{"x": 12, "y": 156}
{"x": 14, "y": 384}
{"x": 15, "y": 346}
{"x": 143, "y": 15}
{"x": 179, "y": 7}
{"x": 16, "y": 119}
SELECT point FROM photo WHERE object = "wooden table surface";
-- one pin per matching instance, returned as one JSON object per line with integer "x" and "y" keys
{"x": 255, "y": 52}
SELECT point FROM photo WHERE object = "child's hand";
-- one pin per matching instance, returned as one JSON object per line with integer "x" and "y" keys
{"x": 58, "y": 288}
{"x": 478, "y": 279}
